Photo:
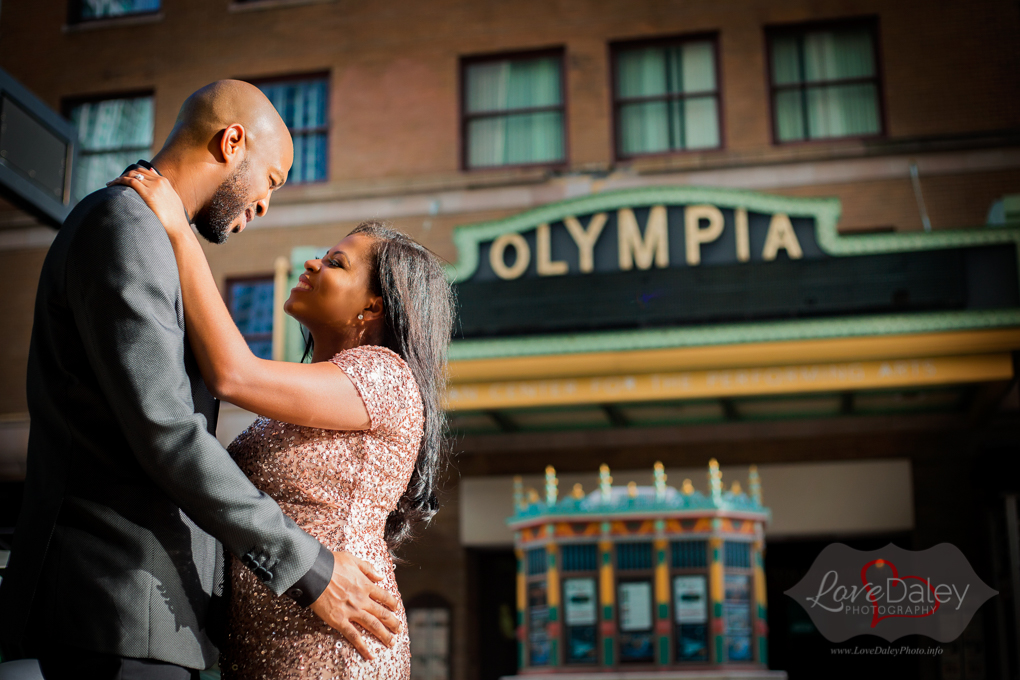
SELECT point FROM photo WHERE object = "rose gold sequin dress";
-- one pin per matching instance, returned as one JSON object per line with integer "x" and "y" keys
{"x": 339, "y": 486}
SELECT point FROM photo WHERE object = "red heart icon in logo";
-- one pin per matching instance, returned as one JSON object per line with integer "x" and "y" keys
{"x": 875, "y": 618}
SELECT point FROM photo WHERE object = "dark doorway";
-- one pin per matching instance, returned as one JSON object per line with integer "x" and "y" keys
{"x": 496, "y": 601}
{"x": 796, "y": 646}
{"x": 10, "y": 505}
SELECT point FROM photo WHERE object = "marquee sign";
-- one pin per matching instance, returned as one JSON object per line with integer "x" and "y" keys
{"x": 661, "y": 228}
{"x": 682, "y": 256}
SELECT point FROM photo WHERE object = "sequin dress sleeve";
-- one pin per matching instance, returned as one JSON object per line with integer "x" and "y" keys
{"x": 339, "y": 486}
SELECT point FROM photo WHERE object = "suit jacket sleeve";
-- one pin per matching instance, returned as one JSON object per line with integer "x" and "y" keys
{"x": 124, "y": 292}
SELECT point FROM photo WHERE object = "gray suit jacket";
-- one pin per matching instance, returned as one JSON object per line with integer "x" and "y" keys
{"x": 128, "y": 494}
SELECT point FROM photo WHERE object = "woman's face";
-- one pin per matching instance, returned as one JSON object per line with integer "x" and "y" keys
{"x": 334, "y": 289}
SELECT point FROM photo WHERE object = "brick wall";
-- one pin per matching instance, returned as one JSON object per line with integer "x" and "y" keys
{"x": 947, "y": 68}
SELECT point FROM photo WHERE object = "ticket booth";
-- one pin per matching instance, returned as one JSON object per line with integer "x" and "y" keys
{"x": 641, "y": 578}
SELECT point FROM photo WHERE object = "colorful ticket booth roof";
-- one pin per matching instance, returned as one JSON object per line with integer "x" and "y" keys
{"x": 640, "y": 577}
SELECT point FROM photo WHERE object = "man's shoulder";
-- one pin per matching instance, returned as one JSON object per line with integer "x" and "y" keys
{"x": 116, "y": 208}
{"x": 113, "y": 229}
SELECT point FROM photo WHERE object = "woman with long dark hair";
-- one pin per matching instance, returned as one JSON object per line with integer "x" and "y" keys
{"x": 349, "y": 445}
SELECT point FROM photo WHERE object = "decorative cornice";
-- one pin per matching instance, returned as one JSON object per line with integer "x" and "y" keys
{"x": 770, "y": 331}
{"x": 644, "y": 505}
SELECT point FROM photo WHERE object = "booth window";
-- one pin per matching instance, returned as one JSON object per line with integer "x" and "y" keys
{"x": 688, "y": 554}
{"x": 584, "y": 557}
{"x": 580, "y": 603}
{"x": 303, "y": 103}
{"x": 636, "y": 608}
{"x": 512, "y": 110}
{"x": 250, "y": 301}
{"x": 737, "y": 599}
{"x": 428, "y": 627}
{"x": 112, "y": 134}
{"x": 536, "y": 561}
{"x": 690, "y": 600}
{"x": 737, "y": 556}
{"x": 824, "y": 82}
{"x": 88, "y": 10}
{"x": 666, "y": 96}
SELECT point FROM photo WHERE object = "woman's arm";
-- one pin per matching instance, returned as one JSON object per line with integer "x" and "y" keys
{"x": 315, "y": 395}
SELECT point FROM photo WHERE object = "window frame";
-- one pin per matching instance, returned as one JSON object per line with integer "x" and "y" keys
{"x": 68, "y": 104}
{"x": 246, "y": 5}
{"x": 752, "y": 594}
{"x": 560, "y": 53}
{"x": 623, "y": 576}
{"x": 229, "y": 299}
{"x": 433, "y": 600}
{"x": 327, "y": 77}
{"x": 710, "y": 618}
{"x": 872, "y": 25}
{"x": 617, "y": 46}
{"x": 530, "y": 579}
{"x": 564, "y": 628}
{"x": 75, "y": 18}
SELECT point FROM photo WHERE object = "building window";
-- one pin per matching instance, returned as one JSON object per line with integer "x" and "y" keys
{"x": 513, "y": 111}
{"x": 250, "y": 301}
{"x": 112, "y": 134}
{"x": 87, "y": 10}
{"x": 429, "y": 631}
{"x": 303, "y": 104}
{"x": 666, "y": 97}
{"x": 824, "y": 83}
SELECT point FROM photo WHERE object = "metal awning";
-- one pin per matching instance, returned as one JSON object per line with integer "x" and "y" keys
{"x": 37, "y": 149}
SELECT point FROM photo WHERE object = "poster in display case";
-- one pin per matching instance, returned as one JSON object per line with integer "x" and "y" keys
{"x": 690, "y": 611}
{"x": 539, "y": 647}
{"x": 580, "y": 616}
{"x": 636, "y": 640}
{"x": 737, "y": 616}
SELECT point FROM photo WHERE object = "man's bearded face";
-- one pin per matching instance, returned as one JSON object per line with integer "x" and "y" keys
{"x": 228, "y": 203}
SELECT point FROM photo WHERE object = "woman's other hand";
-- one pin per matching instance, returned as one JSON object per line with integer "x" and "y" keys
{"x": 160, "y": 196}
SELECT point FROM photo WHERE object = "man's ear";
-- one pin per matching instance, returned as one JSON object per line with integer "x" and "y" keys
{"x": 233, "y": 142}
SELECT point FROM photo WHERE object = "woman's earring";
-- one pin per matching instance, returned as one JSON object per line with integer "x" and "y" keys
{"x": 361, "y": 316}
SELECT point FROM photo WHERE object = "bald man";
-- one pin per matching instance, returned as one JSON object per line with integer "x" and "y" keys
{"x": 117, "y": 563}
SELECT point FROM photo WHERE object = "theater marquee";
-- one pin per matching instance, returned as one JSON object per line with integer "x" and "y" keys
{"x": 684, "y": 293}
{"x": 687, "y": 257}
{"x": 642, "y": 230}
